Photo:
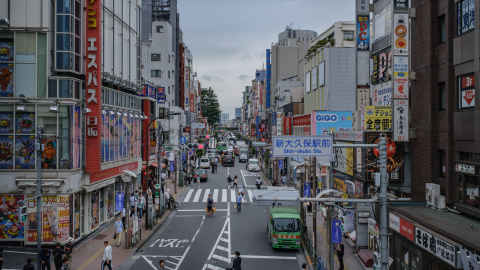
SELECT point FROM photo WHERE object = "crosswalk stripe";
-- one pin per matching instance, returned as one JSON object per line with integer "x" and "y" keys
{"x": 222, "y": 248}
{"x": 224, "y": 195}
{"x": 250, "y": 195}
{"x": 215, "y": 195}
{"x": 189, "y": 194}
{"x": 232, "y": 194}
{"x": 205, "y": 196}
{"x": 220, "y": 258}
{"x": 197, "y": 195}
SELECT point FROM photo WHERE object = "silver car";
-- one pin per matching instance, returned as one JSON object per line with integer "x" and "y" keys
{"x": 243, "y": 158}
{"x": 253, "y": 165}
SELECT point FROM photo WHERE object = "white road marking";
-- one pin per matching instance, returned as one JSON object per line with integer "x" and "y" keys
{"x": 196, "y": 210}
{"x": 197, "y": 195}
{"x": 215, "y": 195}
{"x": 205, "y": 196}
{"x": 233, "y": 195}
{"x": 22, "y": 252}
{"x": 220, "y": 258}
{"x": 224, "y": 231}
{"x": 224, "y": 195}
{"x": 266, "y": 257}
{"x": 189, "y": 194}
{"x": 191, "y": 242}
{"x": 243, "y": 176}
{"x": 250, "y": 194}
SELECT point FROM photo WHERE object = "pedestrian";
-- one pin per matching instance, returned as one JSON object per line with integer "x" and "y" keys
{"x": 1, "y": 258}
{"x": 237, "y": 262}
{"x": 304, "y": 266}
{"x": 213, "y": 167}
{"x": 258, "y": 182}
{"x": 29, "y": 265}
{"x": 58, "y": 255}
{"x": 107, "y": 257}
{"x": 246, "y": 165}
{"x": 229, "y": 181}
{"x": 284, "y": 180}
{"x": 340, "y": 253}
{"x": 123, "y": 219}
{"x": 149, "y": 197}
{"x": 119, "y": 230}
{"x": 216, "y": 166}
{"x": 167, "y": 198}
{"x": 324, "y": 214}
{"x": 235, "y": 180}
{"x": 44, "y": 257}
{"x": 239, "y": 202}
{"x": 162, "y": 265}
{"x": 133, "y": 201}
{"x": 136, "y": 194}
{"x": 69, "y": 249}
{"x": 66, "y": 264}
{"x": 210, "y": 205}
{"x": 140, "y": 206}
{"x": 198, "y": 181}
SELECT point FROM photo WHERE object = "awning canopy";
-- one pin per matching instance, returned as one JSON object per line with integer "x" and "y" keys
{"x": 45, "y": 182}
{"x": 103, "y": 183}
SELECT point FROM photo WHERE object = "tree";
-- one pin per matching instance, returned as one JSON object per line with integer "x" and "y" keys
{"x": 210, "y": 106}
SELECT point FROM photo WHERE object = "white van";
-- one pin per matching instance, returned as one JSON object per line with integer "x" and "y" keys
{"x": 204, "y": 163}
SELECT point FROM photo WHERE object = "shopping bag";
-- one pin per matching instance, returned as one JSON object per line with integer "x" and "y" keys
{"x": 235, "y": 206}
{"x": 214, "y": 210}
{"x": 206, "y": 209}
{"x": 114, "y": 236}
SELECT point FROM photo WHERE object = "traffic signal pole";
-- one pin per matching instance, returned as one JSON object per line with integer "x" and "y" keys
{"x": 39, "y": 149}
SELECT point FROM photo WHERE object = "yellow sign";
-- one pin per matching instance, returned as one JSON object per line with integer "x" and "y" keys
{"x": 378, "y": 118}
{"x": 349, "y": 156}
{"x": 339, "y": 184}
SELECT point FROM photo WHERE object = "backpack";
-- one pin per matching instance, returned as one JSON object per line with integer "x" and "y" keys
{"x": 229, "y": 179}
{"x": 58, "y": 256}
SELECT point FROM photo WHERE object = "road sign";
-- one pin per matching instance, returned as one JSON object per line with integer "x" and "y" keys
{"x": 198, "y": 125}
{"x": 184, "y": 156}
{"x": 307, "y": 146}
{"x": 190, "y": 153}
{"x": 183, "y": 140}
{"x": 306, "y": 190}
{"x": 336, "y": 231}
{"x": 157, "y": 186}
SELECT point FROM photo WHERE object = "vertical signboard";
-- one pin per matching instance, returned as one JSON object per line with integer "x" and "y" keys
{"x": 400, "y": 77}
{"x": 400, "y": 120}
{"x": 93, "y": 66}
{"x": 467, "y": 92}
{"x": 187, "y": 86}
{"x": 192, "y": 102}
{"x": 279, "y": 123}
{"x": 363, "y": 33}
{"x": 287, "y": 126}
{"x": 269, "y": 74}
{"x": 161, "y": 95}
{"x": 400, "y": 34}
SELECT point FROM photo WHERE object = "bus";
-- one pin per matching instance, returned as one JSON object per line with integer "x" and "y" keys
{"x": 222, "y": 147}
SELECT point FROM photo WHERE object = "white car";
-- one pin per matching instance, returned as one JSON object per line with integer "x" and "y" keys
{"x": 204, "y": 163}
{"x": 253, "y": 165}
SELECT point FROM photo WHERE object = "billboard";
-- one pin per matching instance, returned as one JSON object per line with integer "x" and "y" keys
{"x": 363, "y": 33}
{"x": 378, "y": 118}
{"x": 161, "y": 95}
{"x": 289, "y": 146}
{"x": 395, "y": 158}
{"x": 324, "y": 122}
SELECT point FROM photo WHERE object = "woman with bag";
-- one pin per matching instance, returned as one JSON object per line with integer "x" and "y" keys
{"x": 210, "y": 205}
{"x": 235, "y": 180}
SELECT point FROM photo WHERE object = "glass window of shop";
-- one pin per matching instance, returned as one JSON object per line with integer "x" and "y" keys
{"x": 65, "y": 88}
{"x": 468, "y": 190}
{"x": 67, "y": 35}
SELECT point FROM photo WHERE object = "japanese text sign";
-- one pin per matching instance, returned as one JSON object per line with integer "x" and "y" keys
{"x": 363, "y": 33}
{"x": 378, "y": 116}
{"x": 444, "y": 250}
{"x": 288, "y": 146}
{"x": 400, "y": 122}
{"x": 161, "y": 95}
{"x": 400, "y": 77}
{"x": 336, "y": 231}
{"x": 400, "y": 37}
{"x": 467, "y": 92}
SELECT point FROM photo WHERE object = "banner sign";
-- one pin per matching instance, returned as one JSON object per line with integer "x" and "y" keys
{"x": 378, "y": 118}
{"x": 336, "y": 231}
{"x": 437, "y": 246}
{"x": 289, "y": 146}
{"x": 325, "y": 122}
{"x": 280, "y": 164}
{"x": 172, "y": 166}
{"x": 287, "y": 126}
{"x": 303, "y": 120}
{"x": 467, "y": 92}
{"x": 400, "y": 38}
{"x": 119, "y": 201}
{"x": 400, "y": 77}
{"x": 363, "y": 33}
{"x": 307, "y": 190}
{"x": 400, "y": 121}
{"x": 161, "y": 95}
{"x": 400, "y": 5}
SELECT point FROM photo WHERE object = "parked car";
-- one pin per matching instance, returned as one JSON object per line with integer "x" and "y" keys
{"x": 204, "y": 163}
{"x": 202, "y": 173}
{"x": 253, "y": 165}
{"x": 243, "y": 158}
{"x": 228, "y": 160}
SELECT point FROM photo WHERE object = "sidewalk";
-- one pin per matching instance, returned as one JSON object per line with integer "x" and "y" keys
{"x": 89, "y": 253}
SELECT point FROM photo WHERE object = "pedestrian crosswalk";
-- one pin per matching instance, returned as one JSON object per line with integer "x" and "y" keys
{"x": 218, "y": 195}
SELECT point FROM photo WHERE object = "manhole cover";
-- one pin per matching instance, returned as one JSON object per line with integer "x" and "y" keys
{"x": 90, "y": 247}
{"x": 100, "y": 236}
{"x": 212, "y": 262}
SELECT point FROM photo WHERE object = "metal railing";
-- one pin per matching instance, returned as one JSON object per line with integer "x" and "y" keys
{"x": 312, "y": 252}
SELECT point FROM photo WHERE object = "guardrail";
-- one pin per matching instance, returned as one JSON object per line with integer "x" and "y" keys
{"x": 313, "y": 253}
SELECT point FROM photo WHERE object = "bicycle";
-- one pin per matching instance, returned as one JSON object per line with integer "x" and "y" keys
{"x": 172, "y": 203}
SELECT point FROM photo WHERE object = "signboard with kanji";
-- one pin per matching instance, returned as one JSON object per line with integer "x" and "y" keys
{"x": 378, "y": 118}
{"x": 288, "y": 146}
{"x": 442, "y": 249}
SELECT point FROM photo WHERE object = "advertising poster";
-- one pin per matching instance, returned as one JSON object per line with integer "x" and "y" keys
{"x": 25, "y": 123}
{"x": 49, "y": 155}
{"x": 134, "y": 137}
{"x": 120, "y": 137}
{"x": 105, "y": 136}
{"x": 120, "y": 200}
{"x": 382, "y": 94}
{"x": 25, "y": 152}
{"x": 76, "y": 132}
{"x": 363, "y": 96}
{"x": 6, "y": 122}
{"x": 382, "y": 70}
{"x": 6, "y": 50}
{"x": 11, "y": 226}
{"x": 6, "y": 81}
{"x": 128, "y": 138}
{"x": 378, "y": 118}
{"x": 400, "y": 77}
{"x": 110, "y": 202}
{"x": 49, "y": 218}
{"x": 363, "y": 33}
{"x": 63, "y": 218}
{"x": 76, "y": 217}
{"x": 325, "y": 122}
{"x": 400, "y": 37}
{"x": 6, "y": 152}
{"x": 113, "y": 138}
{"x": 358, "y": 189}
{"x": 395, "y": 158}
{"x": 94, "y": 209}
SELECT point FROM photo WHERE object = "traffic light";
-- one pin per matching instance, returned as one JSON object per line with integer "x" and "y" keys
{"x": 22, "y": 214}
{"x": 195, "y": 146}
{"x": 208, "y": 137}
{"x": 200, "y": 146}
{"x": 190, "y": 146}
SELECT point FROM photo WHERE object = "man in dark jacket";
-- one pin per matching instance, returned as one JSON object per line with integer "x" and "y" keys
{"x": 340, "y": 253}
{"x": 44, "y": 257}
{"x": 237, "y": 262}
{"x": 58, "y": 255}
{"x": 29, "y": 265}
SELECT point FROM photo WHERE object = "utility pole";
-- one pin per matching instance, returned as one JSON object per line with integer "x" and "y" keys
{"x": 39, "y": 148}
{"x": 127, "y": 212}
{"x": 314, "y": 205}
{"x": 383, "y": 202}
{"x": 330, "y": 216}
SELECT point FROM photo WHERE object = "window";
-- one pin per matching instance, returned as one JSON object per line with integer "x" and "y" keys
{"x": 168, "y": 90}
{"x": 465, "y": 16}
{"x": 157, "y": 73}
{"x": 348, "y": 35}
{"x": 441, "y": 28}
{"x": 466, "y": 92}
{"x": 159, "y": 28}
{"x": 156, "y": 57}
{"x": 169, "y": 58}
{"x": 442, "y": 96}
{"x": 442, "y": 165}
{"x": 169, "y": 74}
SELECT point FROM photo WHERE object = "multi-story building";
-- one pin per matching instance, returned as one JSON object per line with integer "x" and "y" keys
{"x": 73, "y": 74}
{"x": 224, "y": 117}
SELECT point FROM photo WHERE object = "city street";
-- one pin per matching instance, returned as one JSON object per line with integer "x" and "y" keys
{"x": 190, "y": 239}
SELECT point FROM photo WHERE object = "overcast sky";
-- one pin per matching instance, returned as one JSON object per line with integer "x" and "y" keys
{"x": 228, "y": 38}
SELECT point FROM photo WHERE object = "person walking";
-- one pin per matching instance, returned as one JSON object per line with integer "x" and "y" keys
{"x": 258, "y": 182}
{"x": 66, "y": 264}
{"x": 304, "y": 266}
{"x": 44, "y": 257}
{"x": 162, "y": 265}
{"x": 119, "y": 230}
{"x": 216, "y": 165}
{"x": 239, "y": 202}
{"x": 235, "y": 180}
{"x": 284, "y": 180}
{"x": 340, "y": 253}
{"x": 242, "y": 192}
{"x": 69, "y": 249}
{"x": 149, "y": 197}
{"x": 29, "y": 265}
{"x": 133, "y": 201}
{"x": 324, "y": 214}
{"x": 229, "y": 181}
{"x": 107, "y": 257}
{"x": 210, "y": 205}
{"x": 140, "y": 206}
{"x": 58, "y": 255}
{"x": 246, "y": 165}
{"x": 237, "y": 262}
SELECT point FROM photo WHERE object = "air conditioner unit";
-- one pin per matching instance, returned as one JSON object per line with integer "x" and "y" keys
{"x": 431, "y": 190}
{"x": 439, "y": 202}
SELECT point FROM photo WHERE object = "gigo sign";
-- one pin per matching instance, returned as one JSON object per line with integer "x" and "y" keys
{"x": 326, "y": 118}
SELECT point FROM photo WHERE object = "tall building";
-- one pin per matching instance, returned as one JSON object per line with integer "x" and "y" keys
{"x": 238, "y": 113}
{"x": 70, "y": 72}
{"x": 224, "y": 117}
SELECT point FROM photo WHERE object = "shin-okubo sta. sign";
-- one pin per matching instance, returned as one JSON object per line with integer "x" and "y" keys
{"x": 287, "y": 146}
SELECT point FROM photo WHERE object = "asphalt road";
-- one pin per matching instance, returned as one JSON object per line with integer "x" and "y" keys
{"x": 190, "y": 239}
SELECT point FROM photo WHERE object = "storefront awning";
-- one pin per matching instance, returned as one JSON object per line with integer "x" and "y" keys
{"x": 104, "y": 183}
{"x": 45, "y": 182}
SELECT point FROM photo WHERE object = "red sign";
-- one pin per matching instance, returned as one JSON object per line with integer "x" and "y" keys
{"x": 304, "y": 120}
{"x": 93, "y": 71}
{"x": 97, "y": 176}
{"x": 287, "y": 126}
{"x": 406, "y": 229}
{"x": 192, "y": 103}
{"x": 186, "y": 129}
{"x": 468, "y": 96}
{"x": 468, "y": 82}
